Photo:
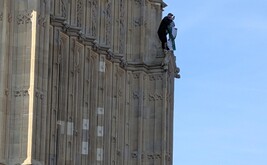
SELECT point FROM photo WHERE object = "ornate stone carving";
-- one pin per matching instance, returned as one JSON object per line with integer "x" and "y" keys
{"x": 137, "y": 2}
{"x": 168, "y": 157}
{"x": 118, "y": 153}
{"x": 39, "y": 94}
{"x": 114, "y": 139}
{"x": 176, "y": 72}
{"x": 77, "y": 66}
{"x": 108, "y": 23}
{"x": 155, "y": 96}
{"x": 63, "y": 8}
{"x": 94, "y": 17}
{"x": 122, "y": 27}
{"x": 79, "y": 12}
{"x": 159, "y": 77}
{"x": 157, "y": 156}
{"x": 153, "y": 156}
{"x": 110, "y": 54}
{"x": 60, "y": 49}
{"x": 6, "y": 92}
{"x": 134, "y": 155}
{"x": 119, "y": 93}
{"x": 95, "y": 45}
{"x": 152, "y": 78}
{"x": 137, "y": 22}
{"x": 136, "y": 76}
{"x": 21, "y": 92}
{"x": 151, "y": 97}
{"x": 136, "y": 95}
{"x": 148, "y": 156}
{"x": 9, "y": 18}
{"x": 123, "y": 62}
{"x": 1, "y": 16}
{"x": 41, "y": 20}
{"x": 24, "y": 17}
{"x": 155, "y": 77}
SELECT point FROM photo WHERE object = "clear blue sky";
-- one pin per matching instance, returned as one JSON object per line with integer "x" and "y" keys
{"x": 221, "y": 98}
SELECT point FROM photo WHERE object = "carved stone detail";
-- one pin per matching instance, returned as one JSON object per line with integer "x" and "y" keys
{"x": 94, "y": 17}
{"x": 110, "y": 54}
{"x": 168, "y": 157}
{"x": 9, "y": 18}
{"x": 77, "y": 68}
{"x": 60, "y": 49}
{"x": 152, "y": 78}
{"x": 123, "y": 62}
{"x": 146, "y": 156}
{"x": 118, "y": 153}
{"x": 155, "y": 77}
{"x": 137, "y": 2}
{"x": 21, "y": 92}
{"x": 108, "y": 23}
{"x": 159, "y": 77}
{"x": 136, "y": 95}
{"x": 137, "y": 22}
{"x": 136, "y": 76}
{"x": 134, "y": 155}
{"x": 1, "y": 16}
{"x": 79, "y": 12}
{"x": 114, "y": 139}
{"x": 63, "y": 8}
{"x": 6, "y": 92}
{"x": 39, "y": 94}
{"x": 119, "y": 92}
{"x": 155, "y": 97}
{"x": 122, "y": 27}
{"x": 24, "y": 17}
{"x": 41, "y": 20}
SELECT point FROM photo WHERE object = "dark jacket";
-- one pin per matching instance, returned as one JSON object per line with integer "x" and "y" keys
{"x": 164, "y": 26}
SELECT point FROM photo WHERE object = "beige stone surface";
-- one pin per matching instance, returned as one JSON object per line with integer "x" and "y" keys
{"x": 84, "y": 82}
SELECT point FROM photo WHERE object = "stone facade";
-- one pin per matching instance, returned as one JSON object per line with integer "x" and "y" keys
{"x": 82, "y": 82}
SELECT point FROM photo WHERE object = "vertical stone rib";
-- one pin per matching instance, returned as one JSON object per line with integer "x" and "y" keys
{"x": 93, "y": 97}
{"x": 143, "y": 41}
{"x": 100, "y": 104}
{"x": 164, "y": 122}
{"x": 127, "y": 119}
{"x": 3, "y": 78}
{"x": 49, "y": 120}
{"x": 107, "y": 112}
{"x": 140, "y": 118}
{"x": 129, "y": 37}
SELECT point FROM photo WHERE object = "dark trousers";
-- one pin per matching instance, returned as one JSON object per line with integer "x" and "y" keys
{"x": 163, "y": 39}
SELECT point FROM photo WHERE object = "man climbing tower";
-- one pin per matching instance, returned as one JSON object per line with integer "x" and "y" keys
{"x": 163, "y": 30}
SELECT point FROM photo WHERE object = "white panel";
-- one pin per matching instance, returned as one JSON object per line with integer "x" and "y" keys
{"x": 86, "y": 124}
{"x": 100, "y": 111}
{"x": 99, "y": 154}
{"x": 100, "y": 131}
{"x": 84, "y": 148}
{"x": 102, "y": 65}
{"x": 70, "y": 128}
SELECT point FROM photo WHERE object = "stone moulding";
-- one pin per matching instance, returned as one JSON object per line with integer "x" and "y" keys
{"x": 106, "y": 50}
{"x": 160, "y": 2}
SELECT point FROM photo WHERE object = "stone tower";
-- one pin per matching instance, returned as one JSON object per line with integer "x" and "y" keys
{"x": 82, "y": 82}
